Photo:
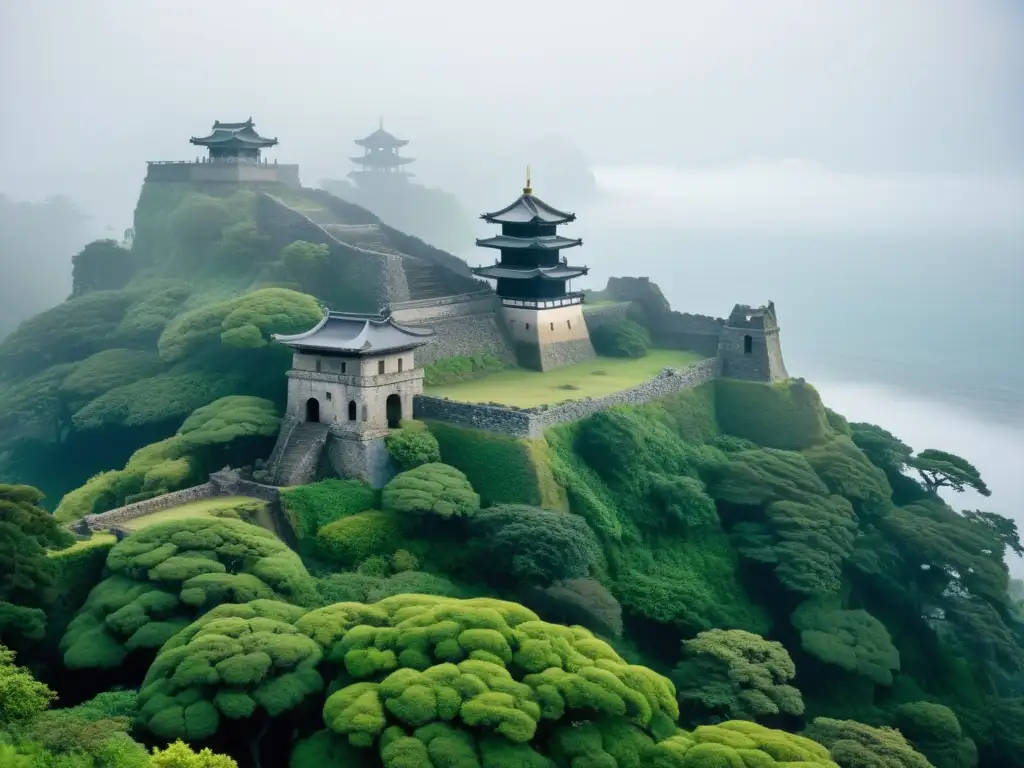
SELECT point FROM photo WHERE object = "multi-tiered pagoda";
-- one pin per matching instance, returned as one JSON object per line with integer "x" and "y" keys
{"x": 234, "y": 141}
{"x": 380, "y": 157}
{"x": 543, "y": 315}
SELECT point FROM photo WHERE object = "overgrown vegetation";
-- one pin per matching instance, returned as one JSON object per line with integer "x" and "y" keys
{"x": 449, "y": 370}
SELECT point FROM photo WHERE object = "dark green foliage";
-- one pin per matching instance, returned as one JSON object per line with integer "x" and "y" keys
{"x": 102, "y": 265}
{"x": 75, "y": 572}
{"x": 939, "y": 469}
{"x": 413, "y": 446}
{"x": 306, "y": 262}
{"x": 235, "y": 660}
{"x": 241, "y": 245}
{"x": 27, "y": 531}
{"x": 449, "y": 370}
{"x": 499, "y": 468}
{"x": 108, "y": 370}
{"x": 414, "y": 583}
{"x": 624, "y": 339}
{"x": 853, "y": 640}
{"x": 197, "y": 224}
{"x": 18, "y": 621}
{"x": 438, "y": 489}
{"x": 67, "y": 333}
{"x": 578, "y": 601}
{"x": 310, "y": 507}
{"x": 838, "y": 422}
{"x": 346, "y": 588}
{"x": 353, "y": 538}
{"x": 517, "y": 544}
{"x": 96, "y": 728}
{"x": 788, "y": 415}
{"x": 855, "y": 745}
{"x": 166, "y": 574}
{"x": 325, "y": 749}
{"x": 230, "y": 431}
{"x": 146, "y": 319}
{"x": 734, "y": 674}
{"x": 847, "y": 472}
{"x": 229, "y": 323}
{"x": 935, "y": 732}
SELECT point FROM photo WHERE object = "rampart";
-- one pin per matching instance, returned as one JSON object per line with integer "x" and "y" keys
{"x": 531, "y": 422}
{"x": 466, "y": 324}
{"x": 671, "y": 329}
{"x": 222, "y": 172}
{"x": 114, "y": 517}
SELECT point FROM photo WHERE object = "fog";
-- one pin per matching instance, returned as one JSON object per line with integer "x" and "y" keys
{"x": 860, "y": 163}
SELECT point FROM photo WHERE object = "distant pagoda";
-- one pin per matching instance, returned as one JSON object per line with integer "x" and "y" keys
{"x": 380, "y": 157}
{"x": 542, "y": 314}
{"x": 234, "y": 141}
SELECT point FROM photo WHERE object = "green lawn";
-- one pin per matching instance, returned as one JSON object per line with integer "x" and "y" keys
{"x": 201, "y": 508}
{"x": 593, "y": 378}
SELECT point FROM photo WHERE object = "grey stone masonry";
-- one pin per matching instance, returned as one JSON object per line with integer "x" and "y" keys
{"x": 531, "y": 422}
{"x": 749, "y": 346}
{"x": 112, "y": 518}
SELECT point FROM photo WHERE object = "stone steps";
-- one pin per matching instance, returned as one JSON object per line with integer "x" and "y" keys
{"x": 299, "y": 457}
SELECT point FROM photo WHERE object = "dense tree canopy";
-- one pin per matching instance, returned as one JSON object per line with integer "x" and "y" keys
{"x": 102, "y": 265}
{"x": 736, "y": 675}
{"x": 164, "y": 575}
{"x": 412, "y": 447}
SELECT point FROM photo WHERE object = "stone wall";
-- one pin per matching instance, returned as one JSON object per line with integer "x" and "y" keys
{"x": 114, "y": 517}
{"x": 223, "y": 173}
{"x": 611, "y": 314}
{"x": 463, "y": 325}
{"x": 668, "y": 328}
{"x": 531, "y": 422}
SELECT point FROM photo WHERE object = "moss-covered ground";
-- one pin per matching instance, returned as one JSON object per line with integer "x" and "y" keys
{"x": 96, "y": 540}
{"x": 598, "y": 377}
{"x": 201, "y": 508}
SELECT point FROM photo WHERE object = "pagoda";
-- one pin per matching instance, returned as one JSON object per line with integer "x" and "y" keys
{"x": 234, "y": 142}
{"x": 380, "y": 157}
{"x": 543, "y": 316}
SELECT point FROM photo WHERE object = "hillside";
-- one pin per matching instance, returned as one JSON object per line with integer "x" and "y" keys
{"x": 731, "y": 576}
{"x": 153, "y": 333}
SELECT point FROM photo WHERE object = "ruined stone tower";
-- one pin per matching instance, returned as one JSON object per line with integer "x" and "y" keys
{"x": 749, "y": 347}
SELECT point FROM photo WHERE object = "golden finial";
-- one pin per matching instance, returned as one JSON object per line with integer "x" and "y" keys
{"x": 528, "y": 189}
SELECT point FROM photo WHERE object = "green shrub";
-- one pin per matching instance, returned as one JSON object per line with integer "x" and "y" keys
{"x": 856, "y": 745}
{"x": 449, "y": 370}
{"x": 520, "y": 545}
{"x": 788, "y": 415}
{"x": 355, "y": 537}
{"x": 853, "y": 640}
{"x": 166, "y": 574}
{"x": 623, "y": 339}
{"x": 579, "y": 601}
{"x": 438, "y": 489}
{"x": 500, "y": 468}
{"x": 411, "y": 447}
{"x": 346, "y": 588}
{"x": 415, "y": 583}
{"x": 310, "y": 507}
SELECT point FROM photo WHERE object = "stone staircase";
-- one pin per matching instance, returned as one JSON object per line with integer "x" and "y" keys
{"x": 295, "y": 459}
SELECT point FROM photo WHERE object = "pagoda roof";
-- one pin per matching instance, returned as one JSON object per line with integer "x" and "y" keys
{"x": 528, "y": 209}
{"x": 345, "y": 333}
{"x": 557, "y": 272}
{"x": 233, "y": 135}
{"x": 382, "y": 160}
{"x": 382, "y": 139}
{"x": 541, "y": 242}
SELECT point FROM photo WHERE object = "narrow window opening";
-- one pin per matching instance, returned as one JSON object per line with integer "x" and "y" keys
{"x": 527, "y": 326}
{"x": 319, "y": 365}
{"x": 351, "y": 410}
{"x": 343, "y": 367}
{"x": 365, "y": 412}
{"x": 380, "y": 366}
{"x": 552, "y": 326}
{"x": 569, "y": 323}
{"x": 399, "y": 365}
{"x": 748, "y": 345}
{"x": 328, "y": 394}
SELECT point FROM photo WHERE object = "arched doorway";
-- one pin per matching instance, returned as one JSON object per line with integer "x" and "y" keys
{"x": 351, "y": 410}
{"x": 313, "y": 410}
{"x": 394, "y": 409}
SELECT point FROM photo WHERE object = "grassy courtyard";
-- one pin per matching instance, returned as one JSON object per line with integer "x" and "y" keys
{"x": 201, "y": 508}
{"x": 593, "y": 378}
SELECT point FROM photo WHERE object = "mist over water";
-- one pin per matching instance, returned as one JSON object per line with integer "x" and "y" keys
{"x": 897, "y": 294}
